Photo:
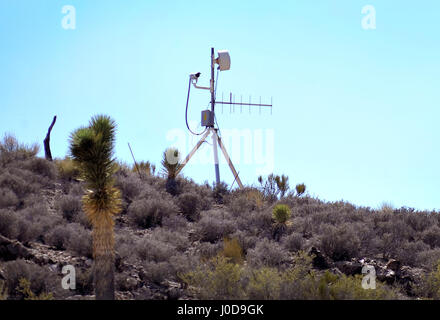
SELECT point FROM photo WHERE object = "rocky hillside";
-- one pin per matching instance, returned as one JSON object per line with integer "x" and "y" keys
{"x": 204, "y": 242}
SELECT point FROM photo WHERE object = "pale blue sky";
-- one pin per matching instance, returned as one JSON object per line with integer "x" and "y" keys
{"x": 355, "y": 111}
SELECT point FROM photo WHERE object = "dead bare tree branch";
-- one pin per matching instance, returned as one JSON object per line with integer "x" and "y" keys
{"x": 47, "y": 152}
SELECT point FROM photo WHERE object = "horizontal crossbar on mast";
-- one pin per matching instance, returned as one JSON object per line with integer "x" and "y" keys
{"x": 244, "y": 104}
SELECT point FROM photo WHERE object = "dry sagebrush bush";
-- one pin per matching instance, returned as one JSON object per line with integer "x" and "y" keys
{"x": 70, "y": 206}
{"x": 12, "y": 151}
{"x": 8, "y": 198}
{"x": 41, "y": 167}
{"x": 189, "y": 205}
{"x": 67, "y": 169}
{"x": 293, "y": 242}
{"x": 146, "y": 213}
{"x": 340, "y": 243}
{"x": 129, "y": 184}
{"x": 41, "y": 280}
{"x": 232, "y": 250}
{"x": 214, "y": 225}
{"x": 9, "y": 179}
{"x": 267, "y": 253}
{"x": 73, "y": 237}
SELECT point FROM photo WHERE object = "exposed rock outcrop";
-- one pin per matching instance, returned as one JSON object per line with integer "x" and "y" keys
{"x": 12, "y": 250}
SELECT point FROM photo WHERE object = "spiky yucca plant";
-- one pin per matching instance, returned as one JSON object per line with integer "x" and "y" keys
{"x": 92, "y": 149}
{"x": 280, "y": 213}
{"x": 300, "y": 189}
{"x": 282, "y": 184}
{"x": 171, "y": 165}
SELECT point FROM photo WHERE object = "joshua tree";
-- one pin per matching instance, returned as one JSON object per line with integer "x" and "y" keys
{"x": 282, "y": 184}
{"x": 300, "y": 189}
{"x": 170, "y": 167}
{"x": 92, "y": 149}
{"x": 280, "y": 213}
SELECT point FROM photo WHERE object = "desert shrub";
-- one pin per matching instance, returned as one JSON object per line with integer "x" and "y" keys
{"x": 245, "y": 240}
{"x": 189, "y": 205}
{"x": 205, "y": 197}
{"x": 219, "y": 192}
{"x": 256, "y": 198}
{"x": 40, "y": 167}
{"x": 179, "y": 240}
{"x": 218, "y": 280}
{"x": 386, "y": 207}
{"x": 82, "y": 219}
{"x": 301, "y": 282}
{"x": 242, "y": 202}
{"x": 11, "y": 150}
{"x": 269, "y": 188}
{"x": 124, "y": 244}
{"x": 232, "y": 250}
{"x": 304, "y": 226}
{"x": 149, "y": 249}
{"x": 214, "y": 225}
{"x": 69, "y": 206}
{"x": 340, "y": 243}
{"x": 146, "y": 213}
{"x": 41, "y": 281}
{"x": 76, "y": 189}
{"x": 67, "y": 169}
{"x": 24, "y": 287}
{"x": 418, "y": 221}
{"x": 342, "y": 287}
{"x": 144, "y": 167}
{"x": 33, "y": 222}
{"x": 264, "y": 284}
{"x": 84, "y": 282}
{"x": 182, "y": 263}
{"x": 18, "y": 185}
{"x": 203, "y": 192}
{"x": 210, "y": 281}
{"x": 130, "y": 186}
{"x": 208, "y": 250}
{"x": 73, "y": 237}
{"x": 293, "y": 242}
{"x": 281, "y": 213}
{"x": 429, "y": 287}
{"x": 156, "y": 272}
{"x": 267, "y": 253}
{"x": 28, "y": 231}
{"x": 8, "y": 223}
{"x": 408, "y": 251}
{"x": 7, "y": 198}
{"x": 174, "y": 222}
{"x": 80, "y": 240}
{"x": 428, "y": 259}
{"x": 256, "y": 222}
{"x": 58, "y": 237}
{"x": 431, "y": 236}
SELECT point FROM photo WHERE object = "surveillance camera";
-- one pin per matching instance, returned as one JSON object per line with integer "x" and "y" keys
{"x": 195, "y": 75}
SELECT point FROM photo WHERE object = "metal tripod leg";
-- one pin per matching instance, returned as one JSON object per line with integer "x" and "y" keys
{"x": 234, "y": 172}
{"x": 189, "y": 156}
{"x": 216, "y": 166}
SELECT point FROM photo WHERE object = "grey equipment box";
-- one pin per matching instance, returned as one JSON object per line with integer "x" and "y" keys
{"x": 207, "y": 118}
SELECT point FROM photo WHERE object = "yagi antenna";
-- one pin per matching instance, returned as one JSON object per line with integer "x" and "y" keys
{"x": 208, "y": 116}
{"x": 242, "y": 104}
